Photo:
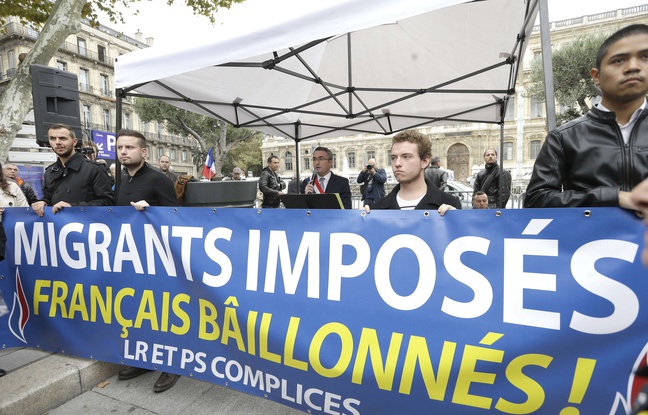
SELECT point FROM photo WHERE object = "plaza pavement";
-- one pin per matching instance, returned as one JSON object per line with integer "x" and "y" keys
{"x": 39, "y": 382}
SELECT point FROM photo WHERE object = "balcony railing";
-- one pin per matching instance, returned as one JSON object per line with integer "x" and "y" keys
{"x": 16, "y": 29}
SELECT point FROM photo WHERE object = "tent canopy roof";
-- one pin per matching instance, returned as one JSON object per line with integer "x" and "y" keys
{"x": 348, "y": 67}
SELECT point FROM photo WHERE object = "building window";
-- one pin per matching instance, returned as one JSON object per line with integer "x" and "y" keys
{"x": 508, "y": 151}
{"x": 160, "y": 152}
{"x": 510, "y": 110}
{"x": 536, "y": 108}
{"x": 537, "y": 57}
{"x": 288, "y": 162}
{"x": 184, "y": 156}
{"x": 371, "y": 154}
{"x": 534, "y": 149}
{"x": 61, "y": 65}
{"x": 334, "y": 161}
{"x": 81, "y": 43}
{"x": 159, "y": 130}
{"x": 307, "y": 163}
{"x": 173, "y": 154}
{"x": 127, "y": 122}
{"x": 84, "y": 80}
{"x": 105, "y": 91}
{"x": 388, "y": 157}
{"x": 106, "y": 119}
{"x": 11, "y": 61}
{"x": 352, "y": 160}
{"x": 87, "y": 120}
{"x": 101, "y": 54}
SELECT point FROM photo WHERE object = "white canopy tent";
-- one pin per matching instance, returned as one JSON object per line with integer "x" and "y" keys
{"x": 346, "y": 67}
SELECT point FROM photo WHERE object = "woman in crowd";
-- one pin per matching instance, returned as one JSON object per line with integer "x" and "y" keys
{"x": 10, "y": 193}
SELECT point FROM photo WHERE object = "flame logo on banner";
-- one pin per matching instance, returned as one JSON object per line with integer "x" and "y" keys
{"x": 20, "y": 309}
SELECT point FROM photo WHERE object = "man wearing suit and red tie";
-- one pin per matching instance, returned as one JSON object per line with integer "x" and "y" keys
{"x": 326, "y": 181}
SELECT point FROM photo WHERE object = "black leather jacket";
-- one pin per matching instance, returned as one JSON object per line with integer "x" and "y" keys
{"x": 585, "y": 163}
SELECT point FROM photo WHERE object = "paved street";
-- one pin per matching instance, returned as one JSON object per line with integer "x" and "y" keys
{"x": 39, "y": 382}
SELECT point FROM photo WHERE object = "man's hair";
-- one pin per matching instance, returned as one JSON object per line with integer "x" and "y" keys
{"x": 435, "y": 161}
{"x": 479, "y": 193}
{"x": 62, "y": 127}
{"x": 635, "y": 29}
{"x": 421, "y": 141}
{"x": 141, "y": 140}
{"x": 271, "y": 158}
{"x": 490, "y": 149}
{"x": 329, "y": 153}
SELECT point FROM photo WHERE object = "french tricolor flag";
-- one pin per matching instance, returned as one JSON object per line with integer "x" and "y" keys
{"x": 209, "y": 170}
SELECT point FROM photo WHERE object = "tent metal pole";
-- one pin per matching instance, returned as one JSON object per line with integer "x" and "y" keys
{"x": 500, "y": 192}
{"x": 297, "y": 158}
{"x": 119, "y": 93}
{"x": 547, "y": 65}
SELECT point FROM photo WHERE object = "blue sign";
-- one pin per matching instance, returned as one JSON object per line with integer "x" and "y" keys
{"x": 337, "y": 312}
{"x": 106, "y": 143}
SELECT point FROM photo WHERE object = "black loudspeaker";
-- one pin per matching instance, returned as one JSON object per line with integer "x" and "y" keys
{"x": 56, "y": 101}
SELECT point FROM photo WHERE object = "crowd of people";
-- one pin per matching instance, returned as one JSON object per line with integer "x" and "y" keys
{"x": 596, "y": 160}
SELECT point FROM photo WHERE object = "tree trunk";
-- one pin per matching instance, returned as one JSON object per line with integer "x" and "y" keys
{"x": 16, "y": 100}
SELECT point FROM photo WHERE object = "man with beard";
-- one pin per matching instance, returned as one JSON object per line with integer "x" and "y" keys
{"x": 410, "y": 155}
{"x": 270, "y": 184}
{"x": 141, "y": 186}
{"x": 598, "y": 158}
{"x": 73, "y": 180}
{"x": 488, "y": 181}
{"x": 165, "y": 168}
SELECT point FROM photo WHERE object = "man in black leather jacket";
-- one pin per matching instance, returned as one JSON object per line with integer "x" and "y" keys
{"x": 270, "y": 184}
{"x": 490, "y": 179}
{"x": 597, "y": 159}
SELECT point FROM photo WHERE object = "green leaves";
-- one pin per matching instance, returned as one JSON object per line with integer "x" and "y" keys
{"x": 573, "y": 85}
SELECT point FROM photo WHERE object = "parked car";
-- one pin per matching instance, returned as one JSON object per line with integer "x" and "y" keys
{"x": 463, "y": 192}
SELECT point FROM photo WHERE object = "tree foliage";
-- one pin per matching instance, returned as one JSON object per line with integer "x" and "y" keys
{"x": 36, "y": 12}
{"x": 56, "y": 20}
{"x": 245, "y": 155}
{"x": 208, "y": 132}
{"x": 573, "y": 85}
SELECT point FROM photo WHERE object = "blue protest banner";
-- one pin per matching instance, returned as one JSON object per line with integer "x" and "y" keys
{"x": 337, "y": 312}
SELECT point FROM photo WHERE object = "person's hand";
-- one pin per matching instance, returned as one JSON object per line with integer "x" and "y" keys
{"x": 626, "y": 201}
{"x": 367, "y": 209}
{"x": 309, "y": 188}
{"x": 59, "y": 207}
{"x": 444, "y": 208}
{"x": 141, "y": 205}
{"x": 39, "y": 207}
{"x": 638, "y": 198}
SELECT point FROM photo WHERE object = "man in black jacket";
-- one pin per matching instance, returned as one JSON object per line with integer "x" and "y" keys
{"x": 73, "y": 180}
{"x": 140, "y": 187}
{"x": 270, "y": 184}
{"x": 597, "y": 159}
{"x": 490, "y": 179}
{"x": 410, "y": 154}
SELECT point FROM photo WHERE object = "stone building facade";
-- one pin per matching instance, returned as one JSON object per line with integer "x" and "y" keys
{"x": 90, "y": 54}
{"x": 461, "y": 146}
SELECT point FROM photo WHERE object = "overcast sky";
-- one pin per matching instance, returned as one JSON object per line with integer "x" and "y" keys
{"x": 173, "y": 25}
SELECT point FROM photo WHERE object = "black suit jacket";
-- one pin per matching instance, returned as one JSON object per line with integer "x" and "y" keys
{"x": 336, "y": 184}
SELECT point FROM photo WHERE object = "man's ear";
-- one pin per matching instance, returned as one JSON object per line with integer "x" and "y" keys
{"x": 594, "y": 73}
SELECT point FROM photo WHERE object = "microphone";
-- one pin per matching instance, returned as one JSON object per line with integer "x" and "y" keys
{"x": 312, "y": 180}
